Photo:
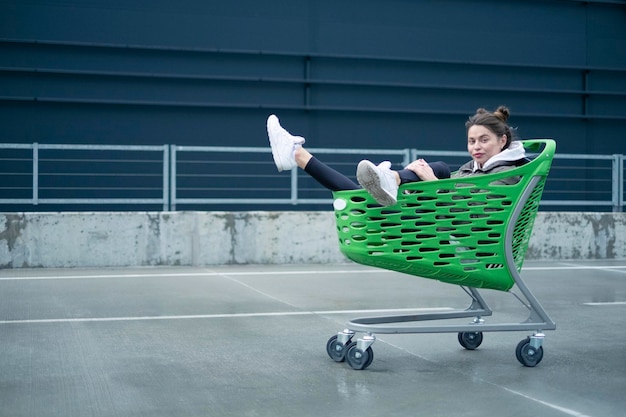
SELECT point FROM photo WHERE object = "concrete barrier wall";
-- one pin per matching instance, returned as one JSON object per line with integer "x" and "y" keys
{"x": 110, "y": 239}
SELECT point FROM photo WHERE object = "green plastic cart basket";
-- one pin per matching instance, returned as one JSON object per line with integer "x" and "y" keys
{"x": 469, "y": 231}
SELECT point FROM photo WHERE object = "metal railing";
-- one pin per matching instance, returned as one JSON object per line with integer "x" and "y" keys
{"x": 267, "y": 170}
{"x": 171, "y": 177}
{"x": 75, "y": 175}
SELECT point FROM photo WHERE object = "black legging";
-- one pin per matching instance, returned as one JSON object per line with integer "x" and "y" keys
{"x": 336, "y": 181}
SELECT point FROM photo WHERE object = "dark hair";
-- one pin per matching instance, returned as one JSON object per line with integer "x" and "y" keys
{"x": 495, "y": 122}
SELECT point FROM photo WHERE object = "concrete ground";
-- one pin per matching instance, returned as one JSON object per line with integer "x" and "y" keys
{"x": 251, "y": 341}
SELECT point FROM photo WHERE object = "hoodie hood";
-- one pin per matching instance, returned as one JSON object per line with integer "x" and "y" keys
{"x": 514, "y": 152}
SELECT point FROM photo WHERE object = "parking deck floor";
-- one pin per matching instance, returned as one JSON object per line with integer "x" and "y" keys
{"x": 251, "y": 341}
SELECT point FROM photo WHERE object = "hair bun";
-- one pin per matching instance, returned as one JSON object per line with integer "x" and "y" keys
{"x": 502, "y": 113}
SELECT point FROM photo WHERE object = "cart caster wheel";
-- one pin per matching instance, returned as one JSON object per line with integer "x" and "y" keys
{"x": 528, "y": 355}
{"x": 358, "y": 359}
{"x": 470, "y": 340}
{"x": 336, "y": 350}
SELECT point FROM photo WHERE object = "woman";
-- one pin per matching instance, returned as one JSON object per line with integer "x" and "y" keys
{"x": 489, "y": 143}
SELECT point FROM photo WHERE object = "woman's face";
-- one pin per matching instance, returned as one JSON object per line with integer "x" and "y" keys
{"x": 482, "y": 144}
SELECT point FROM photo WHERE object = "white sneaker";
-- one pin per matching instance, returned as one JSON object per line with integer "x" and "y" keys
{"x": 379, "y": 181}
{"x": 283, "y": 144}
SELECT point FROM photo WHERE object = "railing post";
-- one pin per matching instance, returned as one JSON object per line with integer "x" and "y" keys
{"x": 408, "y": 157}
{"x": 618, "y": 182}
{"x": 294, "y": 186}
{"x": 166, "y": 178}
{"x": 35, "y": 173}
{"x": 172, "y": 177}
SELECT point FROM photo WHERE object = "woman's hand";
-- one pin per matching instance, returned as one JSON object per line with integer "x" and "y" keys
{"x": 422, "y": 170}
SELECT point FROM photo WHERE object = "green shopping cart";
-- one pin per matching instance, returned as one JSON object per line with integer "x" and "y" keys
{"x": 466, "y": 231}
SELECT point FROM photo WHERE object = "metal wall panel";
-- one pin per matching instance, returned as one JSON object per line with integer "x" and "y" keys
{"x": 366, "y": 74}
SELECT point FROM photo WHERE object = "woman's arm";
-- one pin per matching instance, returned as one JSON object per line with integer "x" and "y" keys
{"x": 422, "y": 170}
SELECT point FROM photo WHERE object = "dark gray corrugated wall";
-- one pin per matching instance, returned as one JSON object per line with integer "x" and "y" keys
{"x": 366, "y": 73}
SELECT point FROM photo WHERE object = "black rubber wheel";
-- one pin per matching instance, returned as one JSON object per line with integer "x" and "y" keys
{"x": 336, "y": 350}
{"x": 370, "y": 352}
{"x": 518, "y": 349}
{"x": 358, "y": 359}
{"x": 528, "y": 355}
{"x": 470, "y": 340}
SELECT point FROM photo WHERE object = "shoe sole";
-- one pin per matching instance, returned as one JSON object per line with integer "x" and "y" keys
{"x": 369, "y": 179}
{"x": 274, "y": 130}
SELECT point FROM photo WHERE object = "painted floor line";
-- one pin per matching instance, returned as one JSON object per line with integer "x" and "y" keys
{"x": 606, "y": 303}
{"x": 264, "y": 273}
{"x": 565, "y": 410}
{"x": 188, "y": 274}
{"x": 568, "y": 268}
{"x": 562, "y": 409}
{"x": 220, "y": 316}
